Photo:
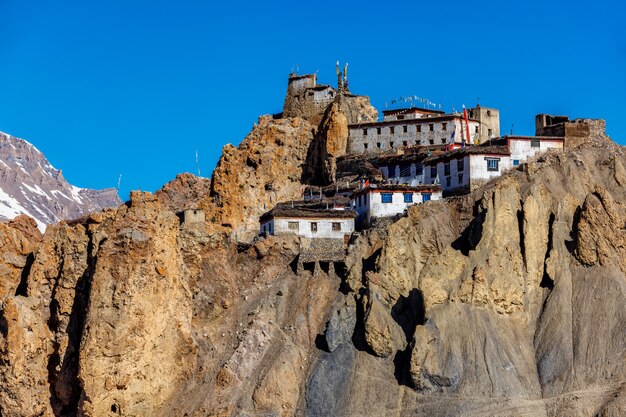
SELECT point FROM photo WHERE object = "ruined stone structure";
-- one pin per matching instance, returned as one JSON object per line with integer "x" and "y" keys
{"x": 309, "y": 100}
{"x": 193, "y": 216}
{"x": 575, "y": 132}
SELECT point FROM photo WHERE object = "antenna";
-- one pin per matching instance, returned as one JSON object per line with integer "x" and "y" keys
{"x": 197, "y": 163}
{"x": 119, "y": 181}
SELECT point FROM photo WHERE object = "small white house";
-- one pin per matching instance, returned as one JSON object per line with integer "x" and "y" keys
{"x": 524, "y": 147}
{"x": 388, "y": 200}
{"x": 466, "y": 168}
{"x": 308, "y": 221}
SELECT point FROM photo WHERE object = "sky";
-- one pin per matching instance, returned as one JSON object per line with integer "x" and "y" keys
{"x": 136, "y": 87}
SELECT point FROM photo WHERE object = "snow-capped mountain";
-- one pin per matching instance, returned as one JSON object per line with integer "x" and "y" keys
{"x": 30, "y": 185}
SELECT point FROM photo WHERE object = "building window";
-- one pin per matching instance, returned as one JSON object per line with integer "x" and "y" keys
{"x": 444, "y": 140}
{"x": 490, "y": 133}
{"x": 419, "y": 169}
{"x": 535, "y": 143}
{"x": 444, "y": 126}
{"x": 378, "y": 130}
{"x": 391, "y": 130}
{"x": 431, "y": 141}
{"x": 516, "y": 162}
{"x": 492, "y": 164}
{"x": 433, "y": 172}
{"x": 314, "y": 227}
{"x": 392, "y": 171}
{"x": 365, "y": 146}
{"x": 405, "y": 170}
{"x": 391, "y": 145}
{"x": 336, "y": 227}
{"x": 400, "y": 117}
{"x": 419, "y": 128}
{"x": 386, "y": 197}
{"x": 426, "y": 197}
{"x": 405, "y": 143}
{"x": 364, "y": 132}
{"x": 408, "y": 197}
{"x": 460, "y": 179}
{"x": 488, "y": 113}
{"x": 476, "y": 129}
{"x": 293, "y": 225}
{"x": 448, "y": 181}
{"x": 431, "y": 127}
{"x": 460, "y": 165}
{"x": 378, "y": 145}
{"x": 405, "y": 129}
{"x": 446, "y": 168}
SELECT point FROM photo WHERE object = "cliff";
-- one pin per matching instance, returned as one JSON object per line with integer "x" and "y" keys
{"x": 505, "y": 301}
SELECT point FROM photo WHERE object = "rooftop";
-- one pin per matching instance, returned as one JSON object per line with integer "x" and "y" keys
{"x": 412, "y": 110}
{"x": 469, "y": 150}
{"x": 304, "y": 209}
{"x": 398, "y": 188}
{"x": 420, "y": 120}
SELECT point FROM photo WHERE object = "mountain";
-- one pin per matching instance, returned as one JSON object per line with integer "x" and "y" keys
{"x": 504, "y": 301}
{"x": 507, "y": 301}
{"x": 30, "y": 185}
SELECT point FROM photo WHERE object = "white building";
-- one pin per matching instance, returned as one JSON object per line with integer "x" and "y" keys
{"x": 465, "y": 169}
{"x": 524, "y": 147}
{"x": 388, "y": 200}
{"x": 415, "y": 126}
{"x": 308, "y": 221}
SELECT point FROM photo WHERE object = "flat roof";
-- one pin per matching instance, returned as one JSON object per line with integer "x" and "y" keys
{"x": 304, "y": 209}
{"x": 504, "y": 140}
{"x": 400, "y": 188}
{"x": 419, "y": 120}
{"x": 412, "y": 110}
{"x": 469, "y": 150}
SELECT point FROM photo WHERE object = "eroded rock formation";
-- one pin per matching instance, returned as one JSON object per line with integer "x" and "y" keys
{"x": 506, "y": 301}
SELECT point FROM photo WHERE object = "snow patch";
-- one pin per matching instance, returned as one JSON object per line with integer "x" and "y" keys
{"x": 11, "y": 208}
{"x": 76, "y": 193}
{"x": 36, "y": 190}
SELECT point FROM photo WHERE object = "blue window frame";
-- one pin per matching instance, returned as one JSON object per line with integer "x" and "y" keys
{"x": 386, "y": 197}
{"x": 408, "y": 197}
{"x": 492, "y": 164}
{"x": 426, "y": 197}
{"x": 516, "y": 162}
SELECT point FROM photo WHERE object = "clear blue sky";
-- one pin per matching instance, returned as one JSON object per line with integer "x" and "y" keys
{"x": 135, "y": 87}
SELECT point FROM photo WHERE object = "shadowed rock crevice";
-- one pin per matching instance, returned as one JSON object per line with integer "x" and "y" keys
{"x": 546, "y": 280}
{"x": 65, "y": 388}
{"x": 520, "y": 226}
{"x": 22, "y": 288}
{"x": 470, "y": 237}
{"x": 409, "y": 312}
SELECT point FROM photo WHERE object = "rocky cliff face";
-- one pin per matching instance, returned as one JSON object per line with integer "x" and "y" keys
{"x": 30, "y": 185}
{"x": 506, "y": 301}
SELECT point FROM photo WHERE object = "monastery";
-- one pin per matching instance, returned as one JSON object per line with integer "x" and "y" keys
{"x": 413, "y": 155}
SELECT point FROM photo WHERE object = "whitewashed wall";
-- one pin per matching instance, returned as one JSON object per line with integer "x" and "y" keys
{"x": 522, "y": 149}
{"x": 373, "y": 206}
{"x": 280, "y": 226}
{"x": 478, "y": 166}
